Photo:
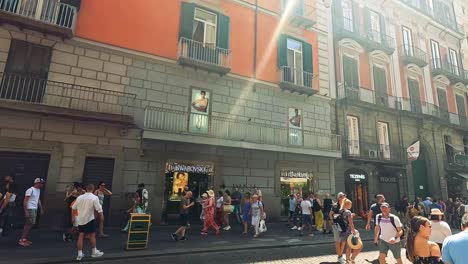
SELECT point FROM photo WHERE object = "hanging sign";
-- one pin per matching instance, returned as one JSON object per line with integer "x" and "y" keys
{"x": 413, "y": 151}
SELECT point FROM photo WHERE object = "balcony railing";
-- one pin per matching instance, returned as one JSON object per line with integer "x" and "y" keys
{"x": 369, "y": 96}
{"x": 296, "y": 80}
{"x": 457, "y": 161}
{"x": 46, "y": 11}
{"x": 411, "y": 54}
{"x": 182, "y": 122}
{"x": 303, "y": 13}
{"x": 28, "y": 89}
{"x": 356, "y": 149}
{"x": 443, "y": 67}
{"x": 204, "y": 55}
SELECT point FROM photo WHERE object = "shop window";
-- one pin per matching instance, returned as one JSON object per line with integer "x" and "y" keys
{"x": 294, "y": 182}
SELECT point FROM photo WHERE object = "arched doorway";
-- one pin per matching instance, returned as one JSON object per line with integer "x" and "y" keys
{"x": 420, "y": 176}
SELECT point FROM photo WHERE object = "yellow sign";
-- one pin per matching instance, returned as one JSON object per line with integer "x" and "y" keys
{"x": 179, "y": 182}
{"x": 138, "y": 231}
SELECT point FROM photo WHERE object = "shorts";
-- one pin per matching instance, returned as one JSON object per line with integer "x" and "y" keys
{"x": 291, "y": 214}
{"x": 88, "y": 228}
{"x": 31, "y": 220}
{"x": 183, "y": 219}
{"x": 336, "y": 232}
{"x": 395, "y": 248}
{"x": 306, "y": 219}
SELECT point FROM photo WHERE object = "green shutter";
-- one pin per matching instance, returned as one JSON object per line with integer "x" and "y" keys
{"x": 338, "y": 14}
{"x": 380, "y": 81}
{"x": 442, "y": 96}
{"x": 461, "y": 105}
{"x": 299, "y": 8}
{"x": 351, "y": 74}
{"x": 415, "y": 102}
{"x": 383, "y": 30}
{"x": 223, "y": 31}
{"x": 356, "y": 17}
{"x": 282, "y": 50}
{"x": 186, "y": 20}
{"x": 367, "y": 21}
{"x": 307, "y": 63}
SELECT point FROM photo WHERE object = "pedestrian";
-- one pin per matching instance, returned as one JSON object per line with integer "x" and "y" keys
{"x": 219, "y": 209}
{"x": 306, "y": 208}
{"x": 143, "y": 194}
{"x": 327, "y": 206}
{"x": 334, "y": 216}
{"x": 416, "y": 209}
{"x": 246, "y": 219}
{"x": 185, "y": 205}
{"x": 402, "y": 210}
{"x": 298, "y": 213}
{"x": 443, "y": 206}
{"x": 427, "y": 206}
{"x": 236, "y": 199}
{"x": 101, "y": 193}
{"x": 70, "y": 197}
{"x": 419, "y": 250}
{"x": 227, "y": 209}
{"x": 454, "y": 248}
{"x": 318, "y": 214}
{"x": 256, "y": 213}
{"x": 440, "y": 229}
{"x": 291, "y": 211}
{"x": 86, "y": 205}
{"x": 32, "y": 203}
{"x": 348, "y": 217}
{"x": 208, "y": 209}
{"x": 7, "y": 205}
{"x": 387, "y": 233}
{"x": 374, "y": 210}
{"x": 449, "y": 212}
{"x": 135, "y": 208}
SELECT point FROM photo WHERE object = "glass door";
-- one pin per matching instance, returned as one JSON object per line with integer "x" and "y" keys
{"x": 408, "y": 42}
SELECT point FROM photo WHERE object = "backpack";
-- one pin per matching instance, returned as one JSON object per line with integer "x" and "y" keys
{"x": 434, "y": 206}
{"x": 392, "y": 220}
{"x": 339, "y": 220}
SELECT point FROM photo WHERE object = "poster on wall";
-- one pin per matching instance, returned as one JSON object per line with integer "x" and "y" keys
{"x": 181, "y": 180}
{"x": 199, "y": 111}
{"x": 295, "y": 126}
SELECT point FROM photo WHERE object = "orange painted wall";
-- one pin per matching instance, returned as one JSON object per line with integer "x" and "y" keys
{"x": 364, "y": 71}
{"x": 267, "y": 63}
{"x": 311, "y": 37}
{"x": 452, "y": 107}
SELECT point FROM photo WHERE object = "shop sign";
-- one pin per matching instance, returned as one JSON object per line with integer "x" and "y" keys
{"x": 296, "y": 174}
{"x": 388, "y": 179}
{"x": 356, "y": 175}
{"x": 176, "y": 167}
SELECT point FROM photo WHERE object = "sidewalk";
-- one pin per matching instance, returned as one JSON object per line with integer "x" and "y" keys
{"x": 48, "y": 246}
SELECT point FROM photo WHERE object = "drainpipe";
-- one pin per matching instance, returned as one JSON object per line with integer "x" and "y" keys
{"x": 255, "y": 40}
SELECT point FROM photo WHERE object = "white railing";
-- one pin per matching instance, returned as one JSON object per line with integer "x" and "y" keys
{"x": 204, "y": 53}
{"x": 296, "y": 76}
{"x": 48, "y": 11}
{"x": 181, "y": 122}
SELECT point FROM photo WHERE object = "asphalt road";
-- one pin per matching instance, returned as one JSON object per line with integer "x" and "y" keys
{"x": 315, "y": 254}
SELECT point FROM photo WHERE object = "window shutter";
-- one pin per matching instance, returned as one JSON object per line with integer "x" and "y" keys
{"x": 356, "y": 17}
{"x": 223, "y": 31}
{"x": 367, "y": 20}
{"x": 383, "y": 30}
{"x": 307, "y": 63}
{"x": 461, "y": 105}
{"x": 282, "y": 50}
{"x": 442, "y": 99}
{"x": 186, "y": 20}
{"x": 338, "y": 12}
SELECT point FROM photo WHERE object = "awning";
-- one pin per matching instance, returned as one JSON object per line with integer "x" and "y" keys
{"x": 463, "y": 175}
{"x": 456, "y": 148}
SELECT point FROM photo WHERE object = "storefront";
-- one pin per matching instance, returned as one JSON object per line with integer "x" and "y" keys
{"x": 357, "y": 190}
{"x": 388, "y": 183}
{"x": 457, "y": 184}
{"x": 294, "y": 182}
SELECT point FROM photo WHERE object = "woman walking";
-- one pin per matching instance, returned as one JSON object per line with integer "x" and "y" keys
{"x": 227, "y": 209}
{"x": 246, "y": 219}
{"x": 327, "y": 206}
{"x": 419, "y": 250}
{"x": 348, "y": 218}
{"x": 101, "y": 193}
{"x": 70, "y": 197}
{"x": 318, "y": 214}
{"x": 440, "y": 229}
{"x": 208, "y": 208}
{"x": 256, "y": 212}
{"x": 219, "y": 209}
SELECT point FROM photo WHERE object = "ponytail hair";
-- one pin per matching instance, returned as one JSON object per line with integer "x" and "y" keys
{"x": 413, "y": 230}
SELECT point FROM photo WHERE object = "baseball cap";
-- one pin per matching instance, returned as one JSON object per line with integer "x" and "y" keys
{"x": 340, "y": 194}
{"x": 39, "y": 180}
{"x": 385, "y": 205}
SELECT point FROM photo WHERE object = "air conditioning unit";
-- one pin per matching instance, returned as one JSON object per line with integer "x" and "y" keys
{"x": 373, "y": 153}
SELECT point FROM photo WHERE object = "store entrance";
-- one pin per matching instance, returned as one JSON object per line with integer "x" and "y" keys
{"x": 357, "y": 190}
{"x": 294, "y": 182}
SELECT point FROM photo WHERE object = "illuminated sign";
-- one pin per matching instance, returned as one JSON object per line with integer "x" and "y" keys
{"x": 202, "y": 168}
{"x": 296, "y": 174}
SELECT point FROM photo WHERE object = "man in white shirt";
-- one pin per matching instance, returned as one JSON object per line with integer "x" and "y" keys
{"x": 306, "y": 207}
{"x": 86, "y": 204}
{"x": 387, "y": 234}
{"x": 31, "y": 204}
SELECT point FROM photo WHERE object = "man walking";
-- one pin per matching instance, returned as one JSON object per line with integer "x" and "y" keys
{"x": 402, "y": 209}
{"x": 333, "y": 214}
{"x": 306, "y": 207}
{"x": 31, "y": 204}
{"x": 374, "y": 210}
{"x": 86, "y": 204}
{"x": 185, "y": 205}
{"x": 387, "y": 233}
{"x": 454, "y": 249}
{"x": 236, "y": 199}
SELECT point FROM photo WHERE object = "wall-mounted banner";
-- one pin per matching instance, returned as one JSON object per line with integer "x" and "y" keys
{"x": 199, "y": 111}
{"x": 413, "y": 151}
{"x": 295, "y": 126}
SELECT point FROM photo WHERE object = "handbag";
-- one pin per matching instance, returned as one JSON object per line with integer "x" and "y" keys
{"x": 228, "y": 208}
{"x": 262, "y": 226}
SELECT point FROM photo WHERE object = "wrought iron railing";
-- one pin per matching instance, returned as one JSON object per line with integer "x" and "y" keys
{"x": 204, "y": 53}
{"x": 29, "y": 89}
{"x": 183, "y": 122}
{"x": 373, "y": 151}
{"x": 296, "y": 76}
{"x": 48, "y": 11}
{"x": 303, "y": 9}
{"x": 414, "y": 53}
{"x": 367, "y": 95}
{"x": 457, "y": 161}
{"x": 443, "y": 66}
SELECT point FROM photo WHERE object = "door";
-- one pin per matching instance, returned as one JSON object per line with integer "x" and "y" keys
{"x": 454, "y": 62}
{"x": 24, "y": 168}
{"x": 420, "y": 177}
{"x": 348, "y": 20}
{"x": 295, "y": 61}
{"x": 353, "y": 135}
{"x": 384, "y": 142}
{"x": 26, "y": 72}
{"x": 100, "y": 170}
{"x": 461, "y": 109}
{"x": 380, "y": 86}
{"x": 376, "y": 34}
{"x": 415, "y": 102}
{"x": 435, "y": 55}
{"x": 443, "y": 105}
{"x": 351, "y": 78}
{"x": 408, "y": 42}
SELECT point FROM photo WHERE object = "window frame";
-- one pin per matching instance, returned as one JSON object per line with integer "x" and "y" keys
{"x": 346, "y": 12}
{"x": 384, "y": 148}
{"x": 408, "y": 47}
{"x": 353, "y": 143}
{"x": 298, "y": 81}
{"x": 206, "y": 23}
{"x": 454, "y": 61}
{"x": 436, "y": 60}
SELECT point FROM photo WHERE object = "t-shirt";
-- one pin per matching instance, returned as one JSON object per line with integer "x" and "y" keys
{"x": 306, "y": 207}
{"x": 33, "y": 193}
{"x": 184, "y": 202}
{"x": 454, "y": 249}
{"x": 236, "y": 198}
{"x": 375, "y": 208}
{"x": 219, "y": 202}
{"x": 86, "y": 204}
{"x": 292, "y": 204}
{"x": 387, "y": 230}
{"x": 256, "y": 208}
{"x": 440, "y": 230}
{"x": 327, "y": 205}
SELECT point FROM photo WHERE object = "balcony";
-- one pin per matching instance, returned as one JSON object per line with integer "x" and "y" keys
{"x": 47, "y": 16}
{"x": 361, "y": 94}
{"x": 410, "y": 54}
{"x": 302, "y": 14}
{"x": 358, "y": 150}
{"x": 27, "y": 93}
{"x": 296, "y": 81}
{"x": 182, "y": 126}
{"x": 203, "y": 56}
{"x": 443, "y": 67}
{"x": 457, "y": 162}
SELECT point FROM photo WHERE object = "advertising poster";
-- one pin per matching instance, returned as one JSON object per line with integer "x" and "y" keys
{"x": 199, "y": 111}
{"x": 295, "y": 126}
{"x": 181, "y": 180}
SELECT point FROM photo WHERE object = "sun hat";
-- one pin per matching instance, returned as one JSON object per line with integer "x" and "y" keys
{"x": 204, "y": 195}
{"x": 436, "y": 211}
{"x": 39, "y": 180}
{"x": 354, "y": 242}
{"x": 210, "y": 193}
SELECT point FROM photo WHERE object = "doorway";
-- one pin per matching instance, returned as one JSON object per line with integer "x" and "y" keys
{"x": 419, "y": 169}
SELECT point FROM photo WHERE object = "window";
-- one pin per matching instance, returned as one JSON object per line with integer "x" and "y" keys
{"x": 353, "y": 135}
{"x": 454, "y": 62}
{"x": 348, "y": 22}
{"x": 408, "y": 42}
{"x": 435, "y": 52}
{"x": 295, "y": 61}
{"x": 415, "y": 103}
{"x": 384, "y": 142}
{"x": 376, "y": 34}
{"x": 443, "y": 105}
{"x": 461, "y": 109}
{"x": 204, "y": 27}
{"x": 380, "y": 86}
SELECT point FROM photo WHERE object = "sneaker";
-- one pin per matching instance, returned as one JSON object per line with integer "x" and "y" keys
{"x": 79, "y": 257}
{"x": 183, "y": 239}
{"x": 256, "y": 235}
{"x": 341, "y": 260}
{"x": 227, "y": 228}
{"x": 64, "y": 237}
{"x": 294, "y": 228}
{"x": 24, "y": 242}
{"x": 203, "y": 233}
{"x": 97, "y": 254}
{"x": 174, "y": 237}
{"x": 299, "y": 228}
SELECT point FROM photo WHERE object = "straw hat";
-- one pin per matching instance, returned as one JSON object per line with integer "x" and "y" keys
{"x": 210, "y": 193}
{"x": 354, "y": 242}
{"x": 436, "y": 211}
{"x": 204, "y": 195}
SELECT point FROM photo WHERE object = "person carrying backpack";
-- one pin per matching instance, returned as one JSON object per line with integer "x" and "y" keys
{"x": 387, "y": 234}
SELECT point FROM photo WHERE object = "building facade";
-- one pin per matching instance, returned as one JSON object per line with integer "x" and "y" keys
{"x": 204, "y": 93}
{"x": 400, "y": 80}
